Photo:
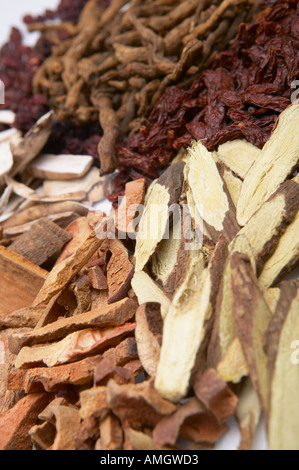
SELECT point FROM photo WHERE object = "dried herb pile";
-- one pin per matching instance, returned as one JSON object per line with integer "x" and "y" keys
{"x": 119, "y": 62}
{"x": 240, "y": 96}
{"x": 90, "y": 362}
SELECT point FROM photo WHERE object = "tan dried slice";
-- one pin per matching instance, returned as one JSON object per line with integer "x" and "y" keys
{"x": 97, "y": 278}
{"x": 32, "y": 143}
{"x": 221, "y": 352}
{"x": 188, "y": 319}
{"x": 146, "y": 289}
{"x": 233, "y": 184}
{"x": 41, "y": 242}
{"x": 252, "y": 316}
{"x": 12, "y": 135}
{"x": 82, "y": 291}
{"x": 238, "y": 155}
{"x": 267, "y": 225}
{"x": 248, "y": 413}
{"x": 190, "y": 421}
{"x": 209, "y": 193}
{"x": 28, "y": 193}
{"x": 64, "y": 272}
{"x": 285, "y": 257}
{"x": 73, "y": 347}
{"x": 282, "y": 349}
{"x": 135, "y": 403}
{"x": 86, "y": 184}
{"x": 113, "y": 315}
{"x": 148, "y": 335}
{"x": 16, "y": 422}
{"x": 164, "y": 194}
{"x": 216, "y": 395}
{"x": 271, "y": 296}
{"x": 20, "y": 281}
{"x": 60, "y": 167}
{"x": 276, "y": 162}
{"x": 233, "y": 366}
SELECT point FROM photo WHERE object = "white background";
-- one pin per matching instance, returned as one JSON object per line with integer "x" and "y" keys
{"x": 11, "y": 14}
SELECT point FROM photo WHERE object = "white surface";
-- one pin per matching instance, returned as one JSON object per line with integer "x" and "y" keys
{"x": 11, "y": 14}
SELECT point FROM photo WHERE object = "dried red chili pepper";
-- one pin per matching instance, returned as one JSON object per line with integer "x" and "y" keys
{"x": 241, "y": 96}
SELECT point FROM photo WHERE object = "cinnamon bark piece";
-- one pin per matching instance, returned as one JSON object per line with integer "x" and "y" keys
{"x": 97, "y": 278}
{"x": 216, "y": 395}
{"x": 252, "y": 316}
{"x": 138, "y": 403}
{"x": 276, "y": 162}
{"x": 111, "y": 434}
{"x": 42, "y": 241}
{"x": 64, "y": 272}
{"x": 120, "y": 271}
{"x": 115, "y": 315}
{"x": 20, "y": 281}
{"x": 73, "y": 347}
{"x": 210, "y": 195}
{"x": 161, "y": 200}
{"x": 67, "y": 423}
{"x": 53, "y": 379}
{"x": 16, "y": 422}
{"x": 282, "y": 350}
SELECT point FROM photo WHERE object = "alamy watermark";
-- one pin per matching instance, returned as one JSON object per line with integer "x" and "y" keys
{"x": 155, "y": 222}
{"x": 2, "y": 92}
{"x": 295, "y": 353}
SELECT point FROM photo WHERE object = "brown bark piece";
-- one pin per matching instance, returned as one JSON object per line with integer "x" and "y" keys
{"x": 16, "y": 422}
{"x": 216, "y": 395}
{"x": 97, "y": 278}
{"x": 52, "y": 379}
{"x": 20, "y": 281}
{"x": 67, "y": 421}
{"x": 111, "y": 434}
{"x": 120, "y": 271}
{"x": 127, "y": 209}
{"x": 64, "y": 272}
{"x": 73, "y": 347}
{"x": 138, "y": 403}
{"x": 190, "y": 420}
{"x": 79, "y": 230}
{"x": 42, "y": 241}
{"x": 114, "y": 315}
